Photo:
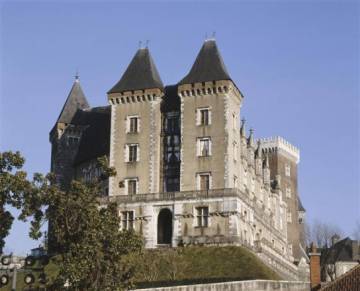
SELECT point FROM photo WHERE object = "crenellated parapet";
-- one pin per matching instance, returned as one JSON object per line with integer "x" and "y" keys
{"x": 209, "y": 88}
{"x": 278, "y": 143}
{"x": 138, "y": 96}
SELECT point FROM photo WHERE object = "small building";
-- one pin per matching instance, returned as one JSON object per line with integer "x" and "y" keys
{"x": 342, "y": 256}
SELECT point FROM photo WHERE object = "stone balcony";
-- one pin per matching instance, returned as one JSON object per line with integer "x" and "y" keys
{"x": 259, "y": 212}
{"x": 175, "y": 196}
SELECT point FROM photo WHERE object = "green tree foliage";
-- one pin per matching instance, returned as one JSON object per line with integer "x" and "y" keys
{"x": 90, "y": 248}
{"x": 12, "y": 183}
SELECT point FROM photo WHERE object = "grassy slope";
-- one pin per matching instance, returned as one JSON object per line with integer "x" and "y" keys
{"x": 191, "y": 265}
{"x": 206, "y": 264}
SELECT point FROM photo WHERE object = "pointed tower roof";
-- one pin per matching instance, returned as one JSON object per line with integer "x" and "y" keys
{"x": 76, "y": 100}
{"x": 140, "y": 74}
{"x": 208, "y": 66}
{"x": 258, "y": 151}
{"x": 242, "y": 129}
{"x": 250, "y": 140}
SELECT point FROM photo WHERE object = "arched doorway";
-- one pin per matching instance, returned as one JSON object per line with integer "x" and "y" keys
{"x": 164, "y": 228}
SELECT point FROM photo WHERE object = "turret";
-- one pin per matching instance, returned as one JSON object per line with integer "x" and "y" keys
{"x": 209, "y": 92}
{"x": 251, "y": 147}
{"x": 66, "y": 134}
{"x": 258, "y": 159}
{"x": 266, "y": 171}
{"x": 283, "y": 161}
{"x": 135, "y": 127}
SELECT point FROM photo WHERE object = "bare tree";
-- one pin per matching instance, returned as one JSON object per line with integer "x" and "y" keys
{"x": 356, "y": 232}
{"x": 322, "y": 232}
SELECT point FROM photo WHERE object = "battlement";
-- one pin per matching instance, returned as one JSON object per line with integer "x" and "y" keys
{"x": 278, "y": 143}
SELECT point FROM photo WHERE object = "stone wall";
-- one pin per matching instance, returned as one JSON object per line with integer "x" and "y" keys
{"x": 255, "y": 285}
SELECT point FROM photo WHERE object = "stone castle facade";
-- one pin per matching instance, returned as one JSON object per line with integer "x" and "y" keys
{"x": 187, "y": 171}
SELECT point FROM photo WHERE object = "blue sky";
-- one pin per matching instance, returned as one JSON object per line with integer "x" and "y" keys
{"x": 296, "y": 62}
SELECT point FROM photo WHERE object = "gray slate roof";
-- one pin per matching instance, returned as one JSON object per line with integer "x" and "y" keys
{"x": 300, "y": 205}
{"x": 171, "y": 100}
{"x": 342, "y": 251}
{"x": 140, "y": 74}
{"x": 95, "y": 141}
{"x": 76, "y": 100}
{"x": 208, "y": 66}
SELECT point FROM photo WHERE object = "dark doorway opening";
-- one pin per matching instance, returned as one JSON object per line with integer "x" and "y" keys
{"x": 164, "y": 228}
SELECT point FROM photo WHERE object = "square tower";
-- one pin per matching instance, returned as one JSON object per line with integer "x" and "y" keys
{"x": 283, "y": 160}
{"x": 136, "y": 127}
{"x": 209, "y": 113}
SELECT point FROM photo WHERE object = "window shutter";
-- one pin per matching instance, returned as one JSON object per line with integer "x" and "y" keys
{"x": 126, "y": 153}
{"x": 137, "y": 153}
{"x": 198, "y": 117}
{"x": 209, "y": 117}
{"x": 210, "y": 146}
{"x": 198, "y": 147}
{"x": 126, "y": 186}
{"x": 127, "y": 124}
{"x": 138, "y": 124}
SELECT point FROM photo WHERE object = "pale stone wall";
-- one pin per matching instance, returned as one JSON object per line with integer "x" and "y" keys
{"x": 145, "y": 105}
{"x": 223, "y": 100}
{"x": 254, "y": 285}
{"x": 281, "y": 154}
{"x": 233, "y": 219}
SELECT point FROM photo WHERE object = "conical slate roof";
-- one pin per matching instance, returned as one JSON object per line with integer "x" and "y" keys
{"x": 208, "y": 66}
{"x": 76, "y": 100}
{"x": 300, "y": 206}
{"x": 140, "y": 74}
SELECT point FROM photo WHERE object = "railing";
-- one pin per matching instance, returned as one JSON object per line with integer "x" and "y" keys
{"x": 196, "y": 194}
{"x": 183, "y": 195}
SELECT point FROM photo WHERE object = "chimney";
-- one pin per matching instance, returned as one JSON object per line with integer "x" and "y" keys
{"x": 314, "y": 268}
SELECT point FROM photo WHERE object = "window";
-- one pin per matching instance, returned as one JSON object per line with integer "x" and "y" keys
{"x": 132, "y": 153}
{"x": 202, "y": 215}
{"x": 204, "y": 147}
{"x": 287, "y": 170}
{"x": 235, "y": 181}
{"x": 204, "y": 181}
{"x": 234, "y": 120}
{"x": 289, "y": 218}
{"x": 131, "y": 186}
{"x": 72, "y": 140}
{"x": 288, "y": 192}
{"x": 203, "y": 116}
{"x": 132, "y": 124}
{"x": 235, "y": 151}
{"x": 127, "y": 220}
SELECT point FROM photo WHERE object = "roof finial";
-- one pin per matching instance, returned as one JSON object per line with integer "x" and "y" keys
{"x": 251, "y": 138}
{"x": 242, "y": 129}
{"x": 77, "y": 77}
{"x": 213, "y": 35}
{"x": 140, "y": 44}
{"x": 147, "y": 43}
